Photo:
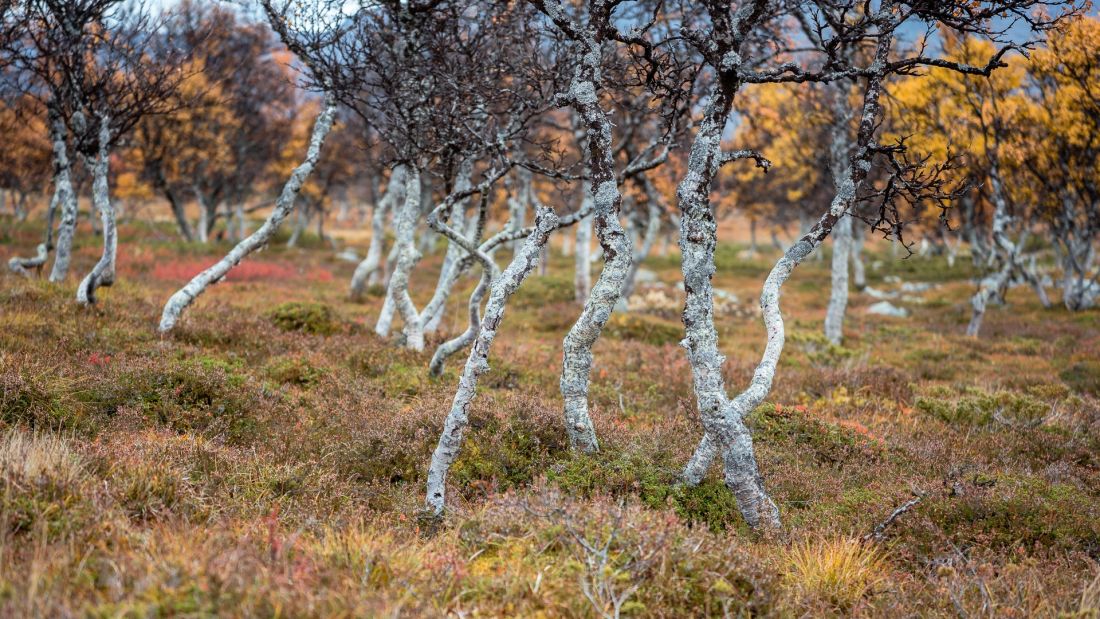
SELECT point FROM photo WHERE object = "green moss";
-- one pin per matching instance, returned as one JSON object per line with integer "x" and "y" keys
{"x": 641, "y": 328}
{"x": 294, "y": 371}
{"x": 825, "y": 443}
{"x": 201, "y": 394}
{"x": 655, "y": 483}
{"x": 506, "y": 452}
{"x": 313, "y": 318}
{"x": 1025, "y": 512}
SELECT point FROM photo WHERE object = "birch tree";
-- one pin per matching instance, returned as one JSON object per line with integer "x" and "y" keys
{"x": 284, "y": 205}
{"x": 723, "y": 46}
{"x": 589, "y": 34}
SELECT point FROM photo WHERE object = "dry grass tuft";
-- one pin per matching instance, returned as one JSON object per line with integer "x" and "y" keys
{"x": 838, "y": 572}
{"x": 38, "y": 459}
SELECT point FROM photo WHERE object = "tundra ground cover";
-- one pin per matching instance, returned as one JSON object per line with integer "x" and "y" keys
{"x": 268, "y": 457}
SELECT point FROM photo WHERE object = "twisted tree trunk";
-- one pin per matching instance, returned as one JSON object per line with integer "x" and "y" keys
{"x": 103, "y": 273}
{"x": 723, "y": 418}
{"x": 283, "y": 206}
{"x": 23, "y": 266}
{"x": 404, "y": 225}
{"x": 450, "y": 441}
{"x": 368, "y": 271}
{"x": 1004, "y": 255}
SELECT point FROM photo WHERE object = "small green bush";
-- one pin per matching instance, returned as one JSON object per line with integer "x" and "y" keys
{"x": 294, "y": 371}
{"x": 313, "y": 318}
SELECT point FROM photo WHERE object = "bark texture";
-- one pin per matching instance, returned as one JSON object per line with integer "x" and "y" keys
{"x": 450, "y": 441}
{"x": 284, "y": 205}
{"x": 66, "y": 197}
{"x": 103, "y": 273}
{"x": 404, "y": 224}
{"x": 617, "y": 250}
{"x": 723, "y": 417}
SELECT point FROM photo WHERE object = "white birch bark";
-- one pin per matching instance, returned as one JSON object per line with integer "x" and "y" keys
{"x": 723, "y": 417}
{"x": 283, "y": 207}
{"x": 838, "y": 293}
{"x": 448, "y": 272}
{"x": 1004, "y": 255}
{"x": 859, "y": 271}
{"x": 103, "y": 273}
{"x": 464, "y": 339}
{"x": 23, "y": 266}
{"x": 839, "y": 154}
{"x": 385, "y": 316}
{"x": 404, "y": 224}
{"x": 368, "y": 271}
{"x": 205, "y": 215}
{"x": 66, "y": 197}
{"x": 450, "y": 441}
{"x": 617, "y": 255}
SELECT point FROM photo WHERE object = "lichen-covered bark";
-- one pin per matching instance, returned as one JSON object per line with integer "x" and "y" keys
{"x": 723, "y": 417}
{"x": 450, "y": 441}
{"x": 404, "y": 225}
{"x": 464, "y": 339}
{"x": 66, "y": 197}
{"x": 725, "y": 429}
{"x": 617, "y": 250}
{"x": 283, "y": 206}
{"x": 103, "y": 273}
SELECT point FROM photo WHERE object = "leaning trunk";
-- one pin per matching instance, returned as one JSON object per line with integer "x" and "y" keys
{"x": 283, "y": 206}
{"x": 450, "y": 441}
